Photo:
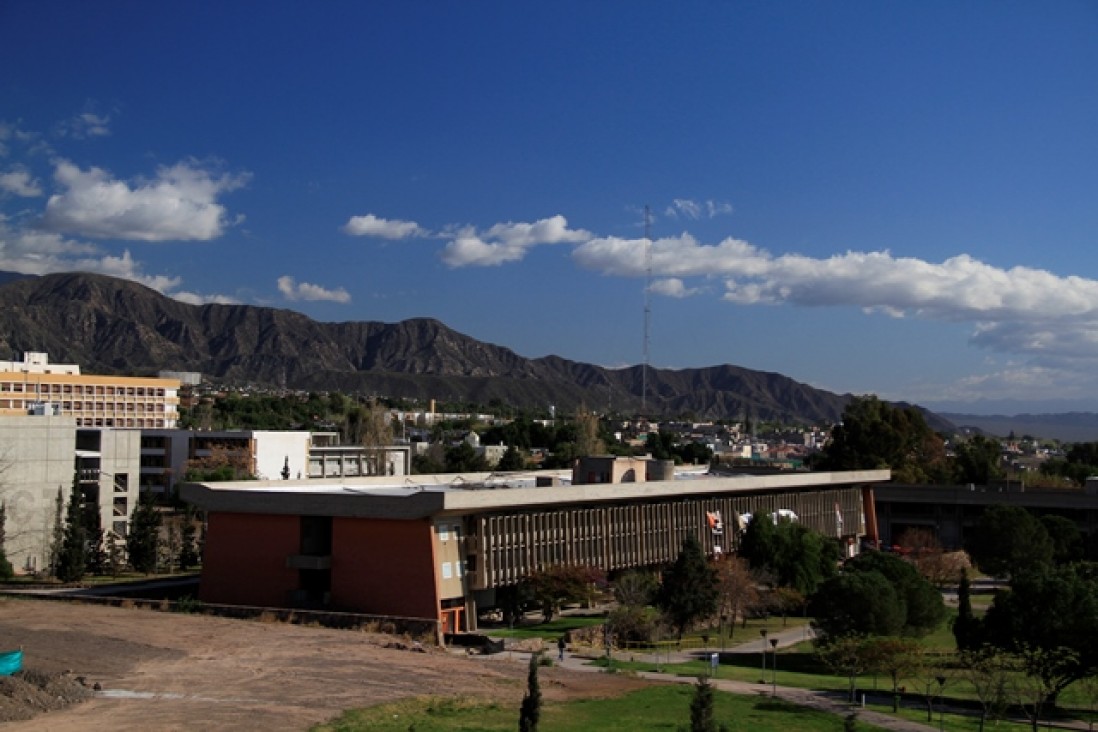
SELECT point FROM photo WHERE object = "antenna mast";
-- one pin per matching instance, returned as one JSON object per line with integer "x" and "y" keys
{"x": 647, "y": 305}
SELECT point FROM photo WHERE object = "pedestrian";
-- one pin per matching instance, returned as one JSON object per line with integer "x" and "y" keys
{"x": 560, "y": 649}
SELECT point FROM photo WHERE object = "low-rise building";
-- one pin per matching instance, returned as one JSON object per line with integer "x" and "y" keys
{"x": 439, "y": 547}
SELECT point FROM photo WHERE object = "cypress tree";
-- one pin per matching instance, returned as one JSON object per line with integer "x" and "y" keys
{"x": 58, "y": 534}
{"x": 530, "y": 712}
{"x": 701, "y": 707}
{"x": 965, "y": 625}
{"x": 72, "y": 559}
{"x": 188, "y": 553}
{"x": 144, "y": 537}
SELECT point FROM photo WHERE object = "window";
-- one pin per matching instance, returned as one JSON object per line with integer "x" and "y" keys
{"x": 443, "y": 533}
{"x": 447, "y": 571}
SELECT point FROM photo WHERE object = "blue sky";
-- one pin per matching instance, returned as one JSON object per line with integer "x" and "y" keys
{"x": 898, "y": 198}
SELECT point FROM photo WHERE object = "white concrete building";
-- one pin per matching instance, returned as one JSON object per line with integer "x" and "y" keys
{"x": 41, "y": 455}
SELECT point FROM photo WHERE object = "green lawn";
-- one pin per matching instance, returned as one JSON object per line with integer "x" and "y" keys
{"x": 655, "y": 708}
{"x": 550, "y": 631}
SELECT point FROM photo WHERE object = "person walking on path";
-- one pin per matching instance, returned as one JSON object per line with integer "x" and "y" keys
{"x": 560, "y": 649}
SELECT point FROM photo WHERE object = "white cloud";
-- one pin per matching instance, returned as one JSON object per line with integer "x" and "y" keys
{"x": 179, "y": 204}
{"x": 29, "y": 251}
{"x": 673, "y": 287}
{"x": 694, "y": 210}
{"x": 19, "y": 181}
{"x": 192, "y": 298}
{"x": 85, "y": 125}
{"x": 37, "y": 252}
{"x": 305, "y": 291}
{"x": 507, "y": 242}
{"x": 1050, "y": 318}
{"x": 370, "y": 225}
{"x": 11, "y": 131}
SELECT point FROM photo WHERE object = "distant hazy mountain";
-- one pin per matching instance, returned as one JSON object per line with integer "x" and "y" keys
{"x": 1068, "y": 427}
{"x": 110, "y": 325}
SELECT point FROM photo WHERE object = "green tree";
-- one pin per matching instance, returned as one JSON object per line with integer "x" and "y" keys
{"x": 857, "y": 604}
{"x": 636, "y": 587}
{"x": 188, "y": 552}
{"x": 701, "y": 707}
{"x": 799, "y": 557}
{"x": 560, "y": 584}
{"x": 1009, "y": 540}
{"x": 511, "y": 460}
{"x": 96, "y": 561}
{"x": 977, "y": 460}
{"x": 688, "y": 588}
{"x": 759, "y": 542}
{"x": 1067, "y": 540}
{"x": 463, "y": 458}
{"x": 530, "y": 711}
{"x": 143, "y": 540}
{"x": 921, "y": 604}
{"x": 57, "y": 536}
{"x": 72, "y": 559}
{"x": 1051, "y": 610}
{"x": 989, "y": 672}
{"x": 895, "y": 658}
{"x": 875, "y": 434}
{"x": 846, "y": 655}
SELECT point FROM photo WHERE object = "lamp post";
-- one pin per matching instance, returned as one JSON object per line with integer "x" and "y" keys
{"x": 774, "y": 665}
{"x": 762, "y": 632}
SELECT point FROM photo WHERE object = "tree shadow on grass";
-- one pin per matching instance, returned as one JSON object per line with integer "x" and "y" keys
{"x": 777, "y": 705}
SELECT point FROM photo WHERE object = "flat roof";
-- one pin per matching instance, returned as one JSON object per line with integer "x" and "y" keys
{"x": 420, "y": 496}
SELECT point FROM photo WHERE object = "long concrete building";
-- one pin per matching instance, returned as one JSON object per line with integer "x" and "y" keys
{"x": 438, "y": 547}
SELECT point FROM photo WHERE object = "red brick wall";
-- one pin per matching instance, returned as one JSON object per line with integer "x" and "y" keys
{"x": 244, "y": 562}
{"x": 385, "y": 567}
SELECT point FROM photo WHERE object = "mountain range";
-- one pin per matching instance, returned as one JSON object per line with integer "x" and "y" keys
{"x": 115, "y": 326}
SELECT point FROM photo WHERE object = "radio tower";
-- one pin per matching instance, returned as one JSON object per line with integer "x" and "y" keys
{"x": 647, "y": 306}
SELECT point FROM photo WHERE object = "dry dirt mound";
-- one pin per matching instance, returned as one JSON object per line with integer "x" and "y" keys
{"x": 28, "y": 693}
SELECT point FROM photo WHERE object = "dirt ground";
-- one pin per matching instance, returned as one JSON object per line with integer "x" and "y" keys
{"x": 169, "y": 671}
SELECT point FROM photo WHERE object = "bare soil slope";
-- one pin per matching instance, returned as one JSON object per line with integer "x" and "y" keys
{"x": 173, "y": 672}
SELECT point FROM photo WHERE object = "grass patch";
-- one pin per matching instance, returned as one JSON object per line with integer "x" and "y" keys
{"x": 551, "y": 630}
{"x": 655, "y": 708}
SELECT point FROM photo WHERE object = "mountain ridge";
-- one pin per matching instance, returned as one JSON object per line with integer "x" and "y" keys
{"x": 110, "y": 325}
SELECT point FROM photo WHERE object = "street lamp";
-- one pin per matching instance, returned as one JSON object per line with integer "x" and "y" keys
{"x": 762, "y": 632}
{"x": 774, "y": 665}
